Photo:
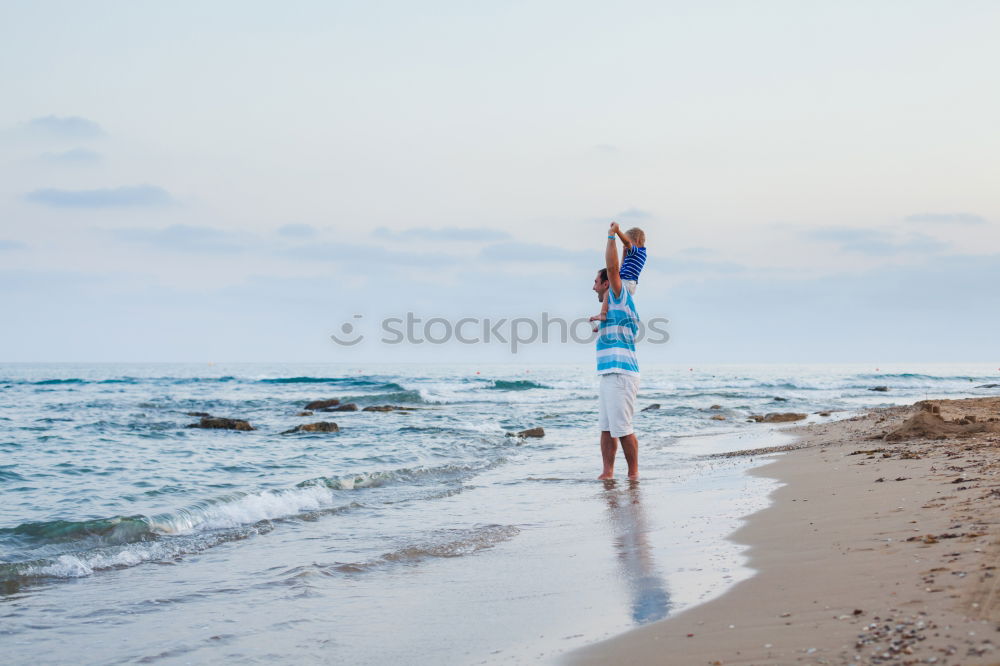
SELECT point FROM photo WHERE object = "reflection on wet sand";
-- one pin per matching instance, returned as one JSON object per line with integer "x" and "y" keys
{"x": 650, "y": 599}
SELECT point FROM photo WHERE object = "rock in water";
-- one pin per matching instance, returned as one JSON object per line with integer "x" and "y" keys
{"x": 989, "y": 386}
{"x": 197, "y": 413}
{"x": 218, "y": 423}
{"x": 306, "y": 413}
{"x": 348, "y": 407}
{"x": 715, "y": 407}
{"x": 530, "y": 432}
{"x": 718, "y": 417}
{"x": 386, "y": 408}
{"x": 321, "y": 426}
{"x": 880, "y": 389}
{"x": 777, "y": 418}
{"x": 777, "y": 399}
{"x": 655, "y": 405}
{"x": 322, "y": 404}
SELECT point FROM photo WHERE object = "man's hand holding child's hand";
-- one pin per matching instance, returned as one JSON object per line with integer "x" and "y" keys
{"x": 614, "y": 228}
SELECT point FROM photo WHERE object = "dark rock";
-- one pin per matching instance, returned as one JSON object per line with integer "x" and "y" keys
{"x": 655, "y": 405}
{"x": 348, "y": 407}
{"x": 715, "y": 407}
{"x": 323, "y": 404}
{"x": 387, "y": 408}
{"x": 880, "y": 389}
{"x": 718, "y": 417}
{"x": 321, "y": 426}
{"x": 989, "y": 386}
{"x": 530, "y": 432}
{"x": 306, "y": 413}
{"x": 218, "y": 423}
{"x": 777, "y": 399}
{"x": 777, "y": 418}
{"x": 823, "y": 413}
{"x": 197, "y": 414}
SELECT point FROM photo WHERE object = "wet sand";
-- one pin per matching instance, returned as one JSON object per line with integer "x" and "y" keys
{"x": 874, "y": 551}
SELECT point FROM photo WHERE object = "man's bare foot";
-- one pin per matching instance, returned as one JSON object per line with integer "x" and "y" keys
{"x": 606, "y": 476}
{"x": 633, "y": 477}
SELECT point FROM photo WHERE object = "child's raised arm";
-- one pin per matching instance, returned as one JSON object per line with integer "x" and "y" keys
{"x": 625, "y": 241}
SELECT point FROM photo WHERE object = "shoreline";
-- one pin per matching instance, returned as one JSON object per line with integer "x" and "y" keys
{"x": 871, "y": 552}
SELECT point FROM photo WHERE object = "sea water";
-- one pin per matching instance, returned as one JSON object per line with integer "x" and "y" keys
{"x": 424, "y": 535}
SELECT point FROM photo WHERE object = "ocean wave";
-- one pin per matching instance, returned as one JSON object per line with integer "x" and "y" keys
{"x": 516, "y": 385}
{"x": 338, "y": 381}
{"x": 233, "y": 510}
{"x": 121, "y": 541}
{"x": 446, "y": 544}
{"x": 195, "y": 380}
{"x": 86, "y": 563}
{"x": 117, "y": 529}
{"x": 404, "y": 475}
{"x": 119, "y": 380}
{"x": 412, "y": 397}
{"x": 9, "y": 475}
{"x": 916, "y": 375}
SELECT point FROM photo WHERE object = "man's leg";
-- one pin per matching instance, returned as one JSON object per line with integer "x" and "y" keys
{"x": 628, "y": 387}
{"x": 609, "y": 447}
{"x": 630, "y": 447}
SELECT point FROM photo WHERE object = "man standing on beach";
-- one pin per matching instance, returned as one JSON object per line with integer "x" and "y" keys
{"x": 617, "y": 365}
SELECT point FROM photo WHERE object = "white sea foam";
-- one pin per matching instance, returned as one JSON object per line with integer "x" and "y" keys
{"x": 245, "y": 510}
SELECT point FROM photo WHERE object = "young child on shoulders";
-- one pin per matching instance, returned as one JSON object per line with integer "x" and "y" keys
{"x": 633, "y": 259}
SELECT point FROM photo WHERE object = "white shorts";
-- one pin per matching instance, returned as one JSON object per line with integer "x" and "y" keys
{"x": 616, "y": 403}
{"x": 631, "y": 285}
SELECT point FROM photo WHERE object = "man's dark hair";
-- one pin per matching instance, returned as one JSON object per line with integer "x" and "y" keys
{"x": 604, "y": 274}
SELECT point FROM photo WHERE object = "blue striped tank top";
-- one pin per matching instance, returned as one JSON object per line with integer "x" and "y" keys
{"x": 616, "y": 336}
{"x": 635, "y": 259}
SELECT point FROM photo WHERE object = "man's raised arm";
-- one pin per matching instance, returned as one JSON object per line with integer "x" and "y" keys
{"x": 611, "y": 262}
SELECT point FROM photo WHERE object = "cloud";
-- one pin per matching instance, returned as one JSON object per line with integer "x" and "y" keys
{"x": 65, "y": 127}
{"x": 119, "y": 197}
{"x": 634, "y": 214}
{"x": 11, "y": 245}
{"x": 605, "y": 149}
{"x": 74, "y": 156}
{"x": 876, "y": 243}
{"x": 186, "y": 238}
{"x": 675, "y": 265}
{"x": 533, "y": 252}
{"x": 891, "y": 313}
{"x": 297, "y": 231}
{"x": 696, "y": 251}
{"x": 373, "y": 257}
{"x": 946, "y": 218}
{"x": 444, "y": 234}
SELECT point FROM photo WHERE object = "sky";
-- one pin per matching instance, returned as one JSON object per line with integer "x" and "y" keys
{"x": 237, "y": 181}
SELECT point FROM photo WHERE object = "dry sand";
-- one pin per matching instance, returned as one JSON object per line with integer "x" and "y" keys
{"x": 874, "y": 551}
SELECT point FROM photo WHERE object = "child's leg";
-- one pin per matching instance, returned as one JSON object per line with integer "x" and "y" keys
{"x": 604, "y": 312}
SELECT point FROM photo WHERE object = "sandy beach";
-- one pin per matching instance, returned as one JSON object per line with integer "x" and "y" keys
{"x": 880, "y": 547}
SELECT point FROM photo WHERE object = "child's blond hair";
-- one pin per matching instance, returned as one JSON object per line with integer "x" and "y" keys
{"x": 637, "y": 236}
